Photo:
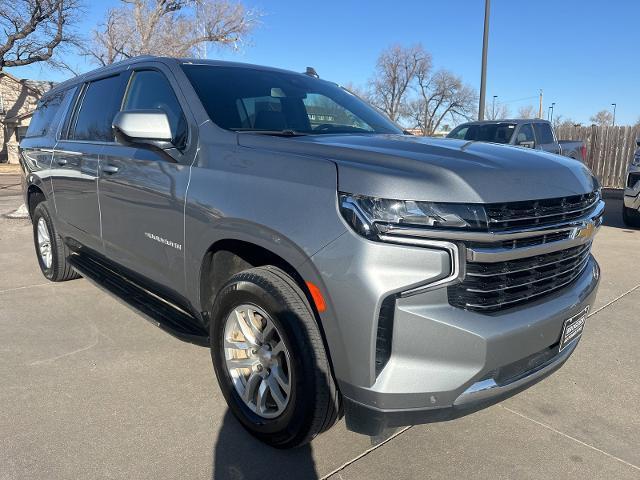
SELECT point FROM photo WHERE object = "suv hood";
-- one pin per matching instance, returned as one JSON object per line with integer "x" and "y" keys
{"x": 429, "y": 169}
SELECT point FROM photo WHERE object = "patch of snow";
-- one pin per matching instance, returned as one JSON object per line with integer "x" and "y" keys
{"x": 21, "y": 212}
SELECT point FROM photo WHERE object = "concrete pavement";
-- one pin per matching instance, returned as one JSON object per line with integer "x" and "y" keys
{"x": 88, "y": 389}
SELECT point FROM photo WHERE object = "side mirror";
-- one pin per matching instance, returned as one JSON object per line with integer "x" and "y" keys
{"x": 149, "y": 127}
{"x": 527, "y": 144}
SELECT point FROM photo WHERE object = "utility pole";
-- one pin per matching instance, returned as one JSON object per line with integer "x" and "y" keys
{"x": 540, "y": 110}
{"x": 485, "y": 47}
{"x": 614, "y": 114}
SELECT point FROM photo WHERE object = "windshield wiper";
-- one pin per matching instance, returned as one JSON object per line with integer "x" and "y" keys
{"x": 277, "y": 133}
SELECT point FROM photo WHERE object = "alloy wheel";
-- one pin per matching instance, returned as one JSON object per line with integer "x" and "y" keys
{"x": 257, "y": 360}
{"x": 44, "y": 243}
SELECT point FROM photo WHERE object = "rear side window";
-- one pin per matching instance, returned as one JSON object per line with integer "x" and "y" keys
{"x": 42, "y": 122}
{"x": 460, "y": 133}
{"x": 525, "y": 134}
{"x": 150, "y": 90}
{"x": 543, "y": 133}
{"x": 100, "y": 103}
{"x": 487, "y": 132}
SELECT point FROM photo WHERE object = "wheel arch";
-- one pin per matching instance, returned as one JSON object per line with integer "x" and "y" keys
{"x": 35, "y": 195}
{"x": 229, "y": 256}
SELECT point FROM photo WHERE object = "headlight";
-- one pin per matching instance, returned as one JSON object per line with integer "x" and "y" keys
{"x": 370, "y": 215}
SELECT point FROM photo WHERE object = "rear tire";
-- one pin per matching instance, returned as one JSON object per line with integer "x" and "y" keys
{"x": 51, "y": 251}
{"x": 309, "y": 401}
{"x": 630, "y": 217}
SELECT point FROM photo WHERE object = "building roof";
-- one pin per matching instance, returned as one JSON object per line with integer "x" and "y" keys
{"x": 36, "y": 86}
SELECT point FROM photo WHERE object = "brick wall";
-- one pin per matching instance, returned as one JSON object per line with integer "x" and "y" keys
{"x": 17, "y": 99}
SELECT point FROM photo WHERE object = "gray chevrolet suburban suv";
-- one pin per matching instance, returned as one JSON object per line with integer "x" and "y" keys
{"x": 333, "y": 265}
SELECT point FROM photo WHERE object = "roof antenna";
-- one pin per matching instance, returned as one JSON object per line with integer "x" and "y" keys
{"x": 312, "y": 72}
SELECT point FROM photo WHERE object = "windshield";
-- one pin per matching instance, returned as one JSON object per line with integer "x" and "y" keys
{"x": 249, "y": 99}
{"x": 490, "y": 132}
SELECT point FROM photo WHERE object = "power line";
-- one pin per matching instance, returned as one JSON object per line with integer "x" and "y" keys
{"x": 521, "y": 99}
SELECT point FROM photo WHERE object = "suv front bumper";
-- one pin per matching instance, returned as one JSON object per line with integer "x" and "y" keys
{"x": 372, "y": 421}
{"x": 445, "y": 362}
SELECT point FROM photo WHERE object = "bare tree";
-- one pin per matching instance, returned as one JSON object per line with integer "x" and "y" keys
{"x": 499, "y": 111}
{"x": 603, "y": 118}
{"x": 174, "y": 28}
{"x": 564, "y": 122}
{"x": 527, "y": 111}
{"x": 441, "y": 95}
{"x": 395, "y": 71}
{"x": 637, "y": 124}
{"x": 33, "y": 30}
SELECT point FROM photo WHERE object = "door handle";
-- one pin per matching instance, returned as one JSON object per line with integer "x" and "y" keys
{"x": 110, "y": 169}
{"x": 61, "y": 161}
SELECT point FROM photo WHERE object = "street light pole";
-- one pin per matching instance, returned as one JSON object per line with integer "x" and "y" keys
{"x": 614, "y": 114}
{"x": 540, "y": 110}
{"x": 485, "y": 47}
{"x": 493, "y": 108}
{"x": 553, "y": 104}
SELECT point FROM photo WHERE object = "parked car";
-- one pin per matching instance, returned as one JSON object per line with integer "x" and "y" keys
{"x": 331, "y": 264}
{"x": 631, "y": 207}
{"x": 528, "y": 133}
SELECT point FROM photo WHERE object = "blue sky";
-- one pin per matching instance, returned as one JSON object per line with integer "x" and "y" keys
{"x": 580, "y": 52}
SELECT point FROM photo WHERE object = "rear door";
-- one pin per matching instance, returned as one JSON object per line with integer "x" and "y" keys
{"x": 525, "y": 136}
{"x": 545, "y": 139}
{"x": 36, "y": 148}
{"x": 77, "y": 158}
{"x": 143, "y": 189}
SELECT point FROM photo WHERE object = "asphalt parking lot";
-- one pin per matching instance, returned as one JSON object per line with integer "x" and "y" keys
{"x": 88, "y": 389}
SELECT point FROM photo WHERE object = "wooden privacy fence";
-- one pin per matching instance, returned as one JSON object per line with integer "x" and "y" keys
{"x": 609, "y": 150}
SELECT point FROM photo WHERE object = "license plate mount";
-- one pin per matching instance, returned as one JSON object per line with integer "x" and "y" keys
{"x": 573, "y": 328}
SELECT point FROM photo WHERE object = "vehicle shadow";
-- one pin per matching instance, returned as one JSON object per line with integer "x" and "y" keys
{"x": 239, "y": 456}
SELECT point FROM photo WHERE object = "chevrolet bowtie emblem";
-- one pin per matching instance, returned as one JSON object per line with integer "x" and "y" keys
{"x": 585, "y": 231}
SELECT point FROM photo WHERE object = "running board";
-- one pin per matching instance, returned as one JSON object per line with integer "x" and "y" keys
{"x": 161, "y": 313}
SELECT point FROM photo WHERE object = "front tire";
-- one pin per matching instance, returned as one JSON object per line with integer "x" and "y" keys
{"x": 630, "y": 217}
{"x": 51, "y": 251}
{"x": 270, "y": 359}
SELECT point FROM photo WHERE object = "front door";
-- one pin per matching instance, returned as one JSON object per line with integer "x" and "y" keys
{"x": 143, "y": 190}
{"x": 545, "y": 139}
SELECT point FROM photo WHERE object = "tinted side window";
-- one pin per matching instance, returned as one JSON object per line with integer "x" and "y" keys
{"x": 460, "y": 133}
{"x": 150, "y": 90}
{"x": 100, "y": 103}
{"x": 491, "y": 132}
{"x": 42, "y": 120}
{"x": 543, "y": 133}
{"x": 525, "y": 134}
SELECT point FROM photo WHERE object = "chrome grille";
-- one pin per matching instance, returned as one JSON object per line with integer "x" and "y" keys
{"x": 525, "y": 241}
{"x": 533, "y": 213}
{"x": 494, "y": 286}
